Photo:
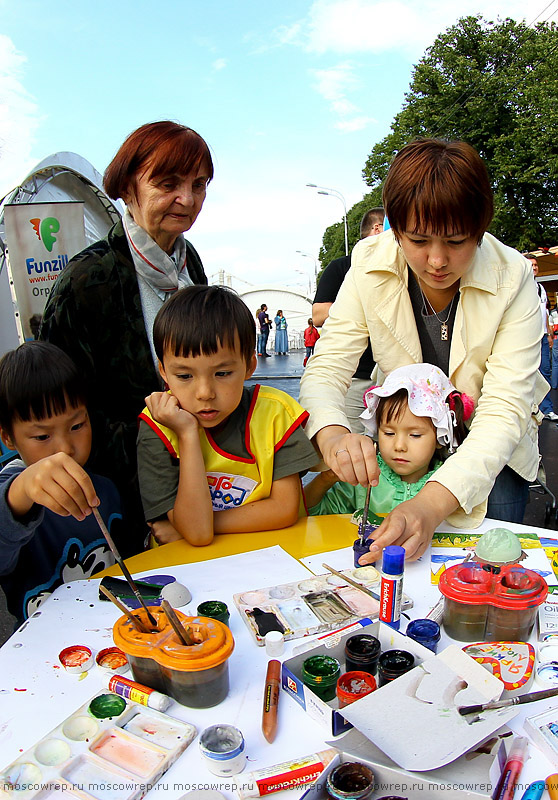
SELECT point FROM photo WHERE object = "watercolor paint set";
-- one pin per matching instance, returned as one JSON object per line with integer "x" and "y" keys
{"x": 317, "y": 604}
{"x": 542, "y": 729}
{"x": 109, "y": 749}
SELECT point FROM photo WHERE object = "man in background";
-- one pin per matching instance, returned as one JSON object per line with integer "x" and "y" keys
{"x": 546, "y": 342}
{"x": 265, "y": 326}
{"x": 371, "y": 224}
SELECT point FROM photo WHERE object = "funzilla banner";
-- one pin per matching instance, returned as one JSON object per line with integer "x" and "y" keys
{"x": 41, "y": 239}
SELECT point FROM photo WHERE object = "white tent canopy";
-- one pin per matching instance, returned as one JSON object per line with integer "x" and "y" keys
{"x": 61, "y": 177}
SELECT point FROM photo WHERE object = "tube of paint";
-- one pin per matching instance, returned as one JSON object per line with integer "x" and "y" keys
{"x": 137, "y": 692}
{"x": 552, "y": 786}
{"x": 534, "y": 791}
{"x": 286, "y": 775}
{"x": 505, "y": 787}
{"x": 391, "y": 588}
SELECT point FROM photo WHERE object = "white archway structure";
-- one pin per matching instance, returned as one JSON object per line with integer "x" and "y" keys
{"x": 296, "y": 308}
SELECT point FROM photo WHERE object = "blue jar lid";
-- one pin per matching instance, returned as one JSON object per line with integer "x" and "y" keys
{"x": 393, "y": 559}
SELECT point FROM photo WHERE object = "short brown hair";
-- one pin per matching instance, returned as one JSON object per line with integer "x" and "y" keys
{"x": 373, "y": 216}
{"x": 165, "y": 148}
{"x": 438, "y": 186}
{"x": 197, "y": 320}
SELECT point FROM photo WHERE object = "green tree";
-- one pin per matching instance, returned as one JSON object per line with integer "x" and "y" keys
{"x": 333, "y": 243}
{"x": 494, "y": 85}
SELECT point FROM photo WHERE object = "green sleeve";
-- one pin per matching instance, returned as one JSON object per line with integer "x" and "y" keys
{"x": 340, "y": 499}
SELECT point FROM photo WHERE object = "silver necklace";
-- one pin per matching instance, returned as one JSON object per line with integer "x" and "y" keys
{"x": 444, "y": 329}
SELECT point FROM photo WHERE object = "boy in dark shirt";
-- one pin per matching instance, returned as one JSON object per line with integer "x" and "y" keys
{"x": 47, "y": 533}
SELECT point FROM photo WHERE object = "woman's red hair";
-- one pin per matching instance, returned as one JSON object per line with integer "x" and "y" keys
{"x": 162, "y": 148}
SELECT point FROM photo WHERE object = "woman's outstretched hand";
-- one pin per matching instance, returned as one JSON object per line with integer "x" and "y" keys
{"x": 412, "y": 523}
{"x": 351, "y": 456}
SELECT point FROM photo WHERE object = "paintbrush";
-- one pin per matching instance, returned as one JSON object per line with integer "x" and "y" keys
{"x": 359, "y": 586}
{"x": 364, "y": 520}
{"x": 123, "y": 567}
{"x": 136, "y": 622}
{"x": 181, "y": 631}
{"x": 530, "y": 697}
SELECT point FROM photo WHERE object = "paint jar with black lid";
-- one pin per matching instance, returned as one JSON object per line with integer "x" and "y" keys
{"x": 392, "y": 664}
{"x": 361, "y": 653}
{"x": 350, "y": 781}
{"x": 425, "y": 632}
{"x": 320, "y": 674}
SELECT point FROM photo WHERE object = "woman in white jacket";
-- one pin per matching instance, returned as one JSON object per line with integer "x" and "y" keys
{"x": 437, "y": 288}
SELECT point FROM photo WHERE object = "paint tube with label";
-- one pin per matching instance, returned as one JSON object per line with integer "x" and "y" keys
{"x": 286, "y": 775}
{"x": 391, "y": 588}
{"x": 137, "y": 692}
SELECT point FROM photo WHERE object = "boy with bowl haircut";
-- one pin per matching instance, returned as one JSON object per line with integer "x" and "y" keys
{"x": 48, "y": 535}
{"x": 215, "y": 456}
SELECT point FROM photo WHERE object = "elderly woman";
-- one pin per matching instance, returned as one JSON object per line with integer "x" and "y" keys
{"x": 103, "y": 305}
{"x": 437, "y": 288}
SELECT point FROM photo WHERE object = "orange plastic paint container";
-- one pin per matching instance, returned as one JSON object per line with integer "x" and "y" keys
{"x": 194, "y": 675}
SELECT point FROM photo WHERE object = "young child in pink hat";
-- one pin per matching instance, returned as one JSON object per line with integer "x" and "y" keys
{"x": 417, "y": 417}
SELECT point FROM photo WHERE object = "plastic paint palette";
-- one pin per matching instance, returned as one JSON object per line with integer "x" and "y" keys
{"x": 319, "y": 603}
{"x": 95, "y": 756}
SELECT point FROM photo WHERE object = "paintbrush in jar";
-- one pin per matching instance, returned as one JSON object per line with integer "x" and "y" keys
{"x": 181, "y": 631}
{"x": 136, "y": 621}
{"x": 364, "y": 520}
{"x": 122, "y": 565}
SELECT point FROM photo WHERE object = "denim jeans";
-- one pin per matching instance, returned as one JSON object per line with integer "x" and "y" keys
{"x": 264, "y": 336}
{"x": 508, "y": 497}
{"x": 554, "y": 372}
{"x": 546, "y": 403}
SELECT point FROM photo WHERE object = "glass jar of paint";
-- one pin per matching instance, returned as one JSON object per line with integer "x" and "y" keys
{"x": 352, "y": 686}
{"x": 214, "y": 609}
{"x": 392, "y": 664}
{"x": 194, "y": 675}
{"x": 320, "y": 674}
{"x": 350, "y": 781}
{"x": 222, "y": 748}
{"x": 482, "y": 606}
{"x": 361, "y": 653}
{"x": 425, "y": 632}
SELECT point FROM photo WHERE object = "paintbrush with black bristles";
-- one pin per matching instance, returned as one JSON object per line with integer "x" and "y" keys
{"x": 122, "y": 565}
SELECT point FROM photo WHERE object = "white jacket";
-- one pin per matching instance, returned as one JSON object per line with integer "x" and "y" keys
{"x": 494, "y": 358}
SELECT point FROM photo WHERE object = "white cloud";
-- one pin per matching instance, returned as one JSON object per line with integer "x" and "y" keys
{"x": 334, "y": 84}
{"x": 365, "y": 26}
{"x": 219, "y": 64}
{"x": 354, "y": 124}
{"x": 19, "y": 118}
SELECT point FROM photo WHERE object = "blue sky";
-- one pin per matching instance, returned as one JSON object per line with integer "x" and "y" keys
{"x": 284, "y": 93}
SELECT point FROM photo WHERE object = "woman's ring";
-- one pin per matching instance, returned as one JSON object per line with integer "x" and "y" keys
{"x": 343, "y": 450}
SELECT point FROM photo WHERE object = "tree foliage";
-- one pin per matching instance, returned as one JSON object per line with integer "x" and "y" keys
{"x": 333, "y": 243}
{"x": 494, "y": 85}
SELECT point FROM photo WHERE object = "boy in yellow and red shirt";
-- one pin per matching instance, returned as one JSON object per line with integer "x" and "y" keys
{"x": 215, "y": 456}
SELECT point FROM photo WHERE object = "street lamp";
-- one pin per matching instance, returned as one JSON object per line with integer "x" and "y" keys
{"x": 301, "y": 272}
{"x": 309, "y": 255}
{"x": 335, "y": 193}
